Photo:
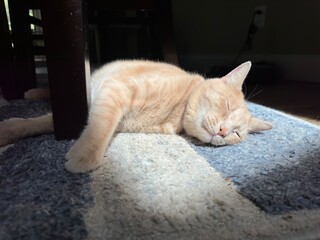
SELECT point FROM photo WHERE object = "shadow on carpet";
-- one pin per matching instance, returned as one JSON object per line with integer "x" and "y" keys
{"x": 36, "y": 186}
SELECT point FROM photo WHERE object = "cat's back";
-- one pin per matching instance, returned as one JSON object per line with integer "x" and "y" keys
{"x": 142, "y": 74}
{"x": 127, "y": 69}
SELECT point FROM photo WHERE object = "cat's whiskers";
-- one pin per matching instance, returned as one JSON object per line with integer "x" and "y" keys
{"x": 245, "y": 89}
{"x": 253, "y": 93}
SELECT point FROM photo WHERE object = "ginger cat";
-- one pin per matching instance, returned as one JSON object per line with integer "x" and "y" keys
{"x": 150, "y": 97}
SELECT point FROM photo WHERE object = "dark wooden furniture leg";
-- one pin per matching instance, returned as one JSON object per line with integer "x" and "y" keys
{"x": 6, "y": 57}
{"x": 24, "y": 66}
{"x": 64, "y": 25}
{"x": 165, "y": 21}
{"x": 20, "y": 73}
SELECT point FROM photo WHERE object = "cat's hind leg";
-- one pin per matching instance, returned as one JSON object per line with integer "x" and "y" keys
{"x": 37, "y": 94}
{"x": 15, "y": 128}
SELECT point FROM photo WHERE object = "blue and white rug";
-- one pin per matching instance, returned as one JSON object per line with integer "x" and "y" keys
{"x": 278, "y": 170}
{"x": 165, "y": 187}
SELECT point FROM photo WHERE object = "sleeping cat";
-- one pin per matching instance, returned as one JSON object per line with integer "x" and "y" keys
{"x": 151, "y": 97}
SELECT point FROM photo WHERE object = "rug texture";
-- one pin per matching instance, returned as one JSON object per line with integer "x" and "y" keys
{"x": 164, "y": 187}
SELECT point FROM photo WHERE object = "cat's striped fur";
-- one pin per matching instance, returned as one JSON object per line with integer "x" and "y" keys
{"x": 151, "y": 97}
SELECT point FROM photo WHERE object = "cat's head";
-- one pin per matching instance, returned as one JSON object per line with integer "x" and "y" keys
{"x": 216, "y": 112}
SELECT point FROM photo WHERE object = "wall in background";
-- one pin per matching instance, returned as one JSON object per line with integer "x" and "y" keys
{"x": 210, "y": 33}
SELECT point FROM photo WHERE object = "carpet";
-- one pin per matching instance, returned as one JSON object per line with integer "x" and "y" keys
{"x": 279, "y": 170}
{"x": 164, "y": 187}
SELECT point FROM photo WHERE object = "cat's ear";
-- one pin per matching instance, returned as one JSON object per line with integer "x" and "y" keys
{"x": 237, "y": 76}
{"x": 257, "y": 125}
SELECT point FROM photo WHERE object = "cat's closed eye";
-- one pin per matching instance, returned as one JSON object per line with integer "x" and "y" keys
{"x": 228, "y": 107}
{"x": 236, "y": 132}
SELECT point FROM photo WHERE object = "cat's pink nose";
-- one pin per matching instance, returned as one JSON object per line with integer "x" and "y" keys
{"x": 222, "y": 132}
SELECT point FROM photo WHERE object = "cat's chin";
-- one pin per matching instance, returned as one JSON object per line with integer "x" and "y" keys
{"x": 218, "y": 141}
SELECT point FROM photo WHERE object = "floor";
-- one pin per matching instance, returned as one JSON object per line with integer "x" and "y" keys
{"x": 301, "y": 99}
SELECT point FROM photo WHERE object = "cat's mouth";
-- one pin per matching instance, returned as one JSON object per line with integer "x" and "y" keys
{"x": 210, "y": 136}
{"x": 214, "y": 133}
{"x": 216, "y": 138}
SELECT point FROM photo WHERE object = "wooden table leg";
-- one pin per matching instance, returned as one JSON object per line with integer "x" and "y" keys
{"x": 19, "y": 69}
{"x": 6, "y": 56}
{"x": 165, "y": 21}
{"x": 64, "y": 25}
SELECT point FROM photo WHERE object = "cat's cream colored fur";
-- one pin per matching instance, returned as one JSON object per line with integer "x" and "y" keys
{"x": 151, "y": 97}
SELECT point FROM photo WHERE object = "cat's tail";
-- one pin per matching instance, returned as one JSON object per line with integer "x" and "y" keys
{"x": 15, "y": 128}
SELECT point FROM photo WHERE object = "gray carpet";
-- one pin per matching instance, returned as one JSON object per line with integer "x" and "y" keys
{"x": 158, "y": 187}
{"x": 279, "y": 170}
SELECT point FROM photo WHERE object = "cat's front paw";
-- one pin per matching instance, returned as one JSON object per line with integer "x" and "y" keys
{"x": 83, "y": 158}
